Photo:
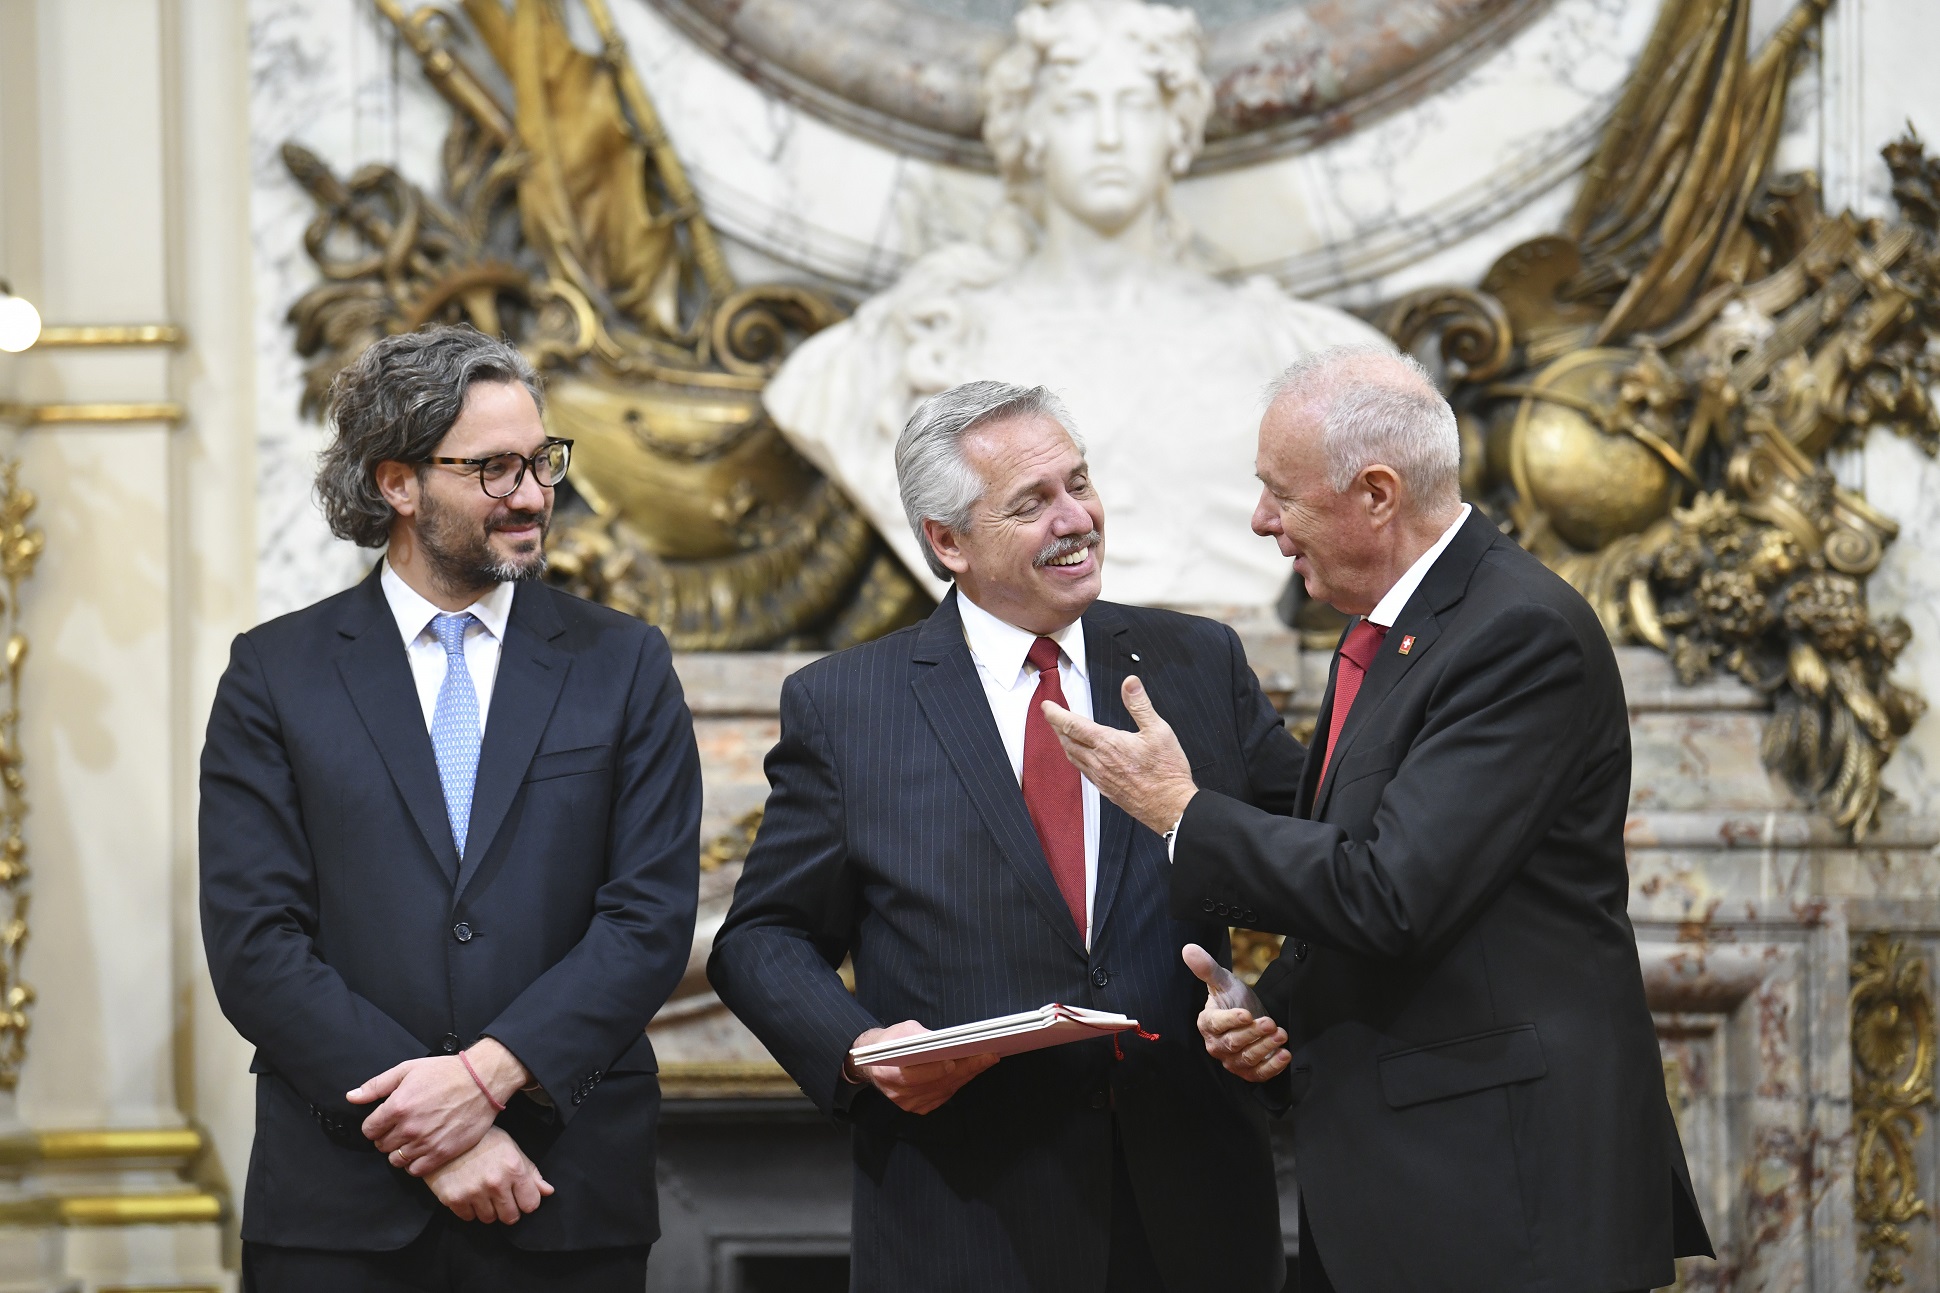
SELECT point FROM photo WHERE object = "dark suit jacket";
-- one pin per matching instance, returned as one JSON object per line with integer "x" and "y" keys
{"x": 896, "y": 834}
{"x": 345, "y": 935}
{"x": 1477, "y": 1095}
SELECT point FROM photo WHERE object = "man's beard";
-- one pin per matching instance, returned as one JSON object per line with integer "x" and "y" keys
{"x": 461, "y": 557}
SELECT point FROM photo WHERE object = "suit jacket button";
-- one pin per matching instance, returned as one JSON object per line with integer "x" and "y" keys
{"x": 1300, "y": 950}
{"x": 1251, "y": 918}
{"x": 1208, "y": 905}
{"x": 462, "y": 932}
{"x": 1100, "y": 977}
{"x": 1220, "y": 909}
{"x": 448, "y": 1043}
{"x": 1100, "y": 1099}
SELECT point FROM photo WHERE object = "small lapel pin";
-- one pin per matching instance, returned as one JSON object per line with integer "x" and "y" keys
{"x": 1407, "y": 644}
{"x": 1135, "y": 656}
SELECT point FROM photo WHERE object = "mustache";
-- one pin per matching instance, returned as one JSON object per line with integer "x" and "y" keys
{"x": 511, "y": 520}
{"x": 1069, "y": 544}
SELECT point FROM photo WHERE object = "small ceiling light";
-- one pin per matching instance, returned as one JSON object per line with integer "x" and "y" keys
{"x": 19, "y": 321}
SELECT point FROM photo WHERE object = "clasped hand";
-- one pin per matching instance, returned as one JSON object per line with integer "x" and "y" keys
{"x": 436, "y": 1123}
{"x": 1237, "y": 1032}
{"x": 917, "y": 1088}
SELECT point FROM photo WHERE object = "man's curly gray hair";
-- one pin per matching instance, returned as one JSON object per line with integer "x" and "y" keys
{"x": 394, "y": 403}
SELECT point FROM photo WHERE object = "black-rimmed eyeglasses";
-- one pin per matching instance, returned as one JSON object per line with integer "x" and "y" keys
{"x": 501, "y": 474}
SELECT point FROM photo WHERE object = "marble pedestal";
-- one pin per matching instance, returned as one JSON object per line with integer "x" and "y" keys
{"x": 1749, "y": 909}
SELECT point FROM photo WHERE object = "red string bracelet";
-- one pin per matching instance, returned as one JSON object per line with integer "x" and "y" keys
{"x": 482, "y": 1088}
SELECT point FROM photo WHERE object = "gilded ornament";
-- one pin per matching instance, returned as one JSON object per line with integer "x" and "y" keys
{"x": 1683, "y": 354}
{"x": 568, "y": 223}
{"x": 20, "y": 549}
{"x": 1892, "y": 1082}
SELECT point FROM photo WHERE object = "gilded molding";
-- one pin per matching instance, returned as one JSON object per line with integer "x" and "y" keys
{"x": 178, "y": 1208}
{"x": 175, "y": 1145}
{"x": 37, "y": 415}
{"x": 1892, "y": 1081}
{"x": 726, "y": 1080}
{"x": 110, "y": 334}
{"x": 20, "y": 549}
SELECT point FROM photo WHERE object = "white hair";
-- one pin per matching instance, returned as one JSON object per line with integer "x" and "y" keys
{"x": 1369, "y": 419}
{"x": 936, "y": 481}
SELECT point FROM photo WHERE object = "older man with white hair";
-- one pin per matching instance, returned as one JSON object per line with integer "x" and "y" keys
{"x": 923, "y": 823}
{"x": 1462, "y": 1041}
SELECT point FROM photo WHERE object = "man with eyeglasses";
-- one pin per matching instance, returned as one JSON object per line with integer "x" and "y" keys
{"x": 449, "y": 847}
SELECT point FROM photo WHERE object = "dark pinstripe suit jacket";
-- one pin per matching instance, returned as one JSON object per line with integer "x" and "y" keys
{"x": 896, "y": 834}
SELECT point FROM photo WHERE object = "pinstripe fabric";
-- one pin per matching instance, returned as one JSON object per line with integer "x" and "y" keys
{"x": 896, "y": 833}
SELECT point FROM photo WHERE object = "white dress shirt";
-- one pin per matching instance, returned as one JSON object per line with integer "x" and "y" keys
{"x": 414, "y": 615}
{"x": 1389, "y": 608}
{"x": 1009, "y": 683}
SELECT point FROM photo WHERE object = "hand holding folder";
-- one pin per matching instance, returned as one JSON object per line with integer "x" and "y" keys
{"x": 919, "y": 1069}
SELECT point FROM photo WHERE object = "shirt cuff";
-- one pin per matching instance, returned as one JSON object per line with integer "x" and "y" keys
{"x": 1171, "y": 837}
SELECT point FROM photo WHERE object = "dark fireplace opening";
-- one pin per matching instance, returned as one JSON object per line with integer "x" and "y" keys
{"x": 791, "y": 1273}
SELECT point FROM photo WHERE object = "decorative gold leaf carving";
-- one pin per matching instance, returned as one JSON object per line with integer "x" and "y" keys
{"x": 20, "y": 549}
{"x": 1892, "y": 1081}
{"x": 1677, "y": 363}
{"x": 568, "y": 223}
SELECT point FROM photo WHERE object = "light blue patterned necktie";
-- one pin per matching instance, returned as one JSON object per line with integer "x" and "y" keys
{"x": 454, "y": 726}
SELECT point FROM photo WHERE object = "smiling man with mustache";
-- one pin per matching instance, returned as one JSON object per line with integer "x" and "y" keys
{"x": 923, "y": 822}
{"x": 449, "y": 866}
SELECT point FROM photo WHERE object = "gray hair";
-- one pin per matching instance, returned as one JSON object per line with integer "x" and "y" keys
{"x": 936, "y": 481}
{"x": 394, "y": 403}
{"x": 1405, "y": 425}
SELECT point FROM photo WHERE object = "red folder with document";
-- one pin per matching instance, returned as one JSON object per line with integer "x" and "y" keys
{"x": 1028, "y": 1030}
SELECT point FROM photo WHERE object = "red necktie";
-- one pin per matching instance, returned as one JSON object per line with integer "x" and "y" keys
{"x": 1356, "y": 654}
{"x": 1052, "y": 794}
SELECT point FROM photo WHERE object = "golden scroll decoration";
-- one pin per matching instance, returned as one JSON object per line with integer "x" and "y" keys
{"x": 1892, "y": 1080}
{"x": 20, "y": 549}
{"x": 568, "y": 224}
{"x": 1647, "y": 398}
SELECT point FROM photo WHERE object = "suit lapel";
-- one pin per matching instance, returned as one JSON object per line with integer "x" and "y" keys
{"x": 377, "y": 673}
{"x": 1418, "y": 626}
{"x": 952, "y": 698}
{"x": 1107, "y": 662}
{"x": 531, "y": 672}
{"x": 1310, "y": 773}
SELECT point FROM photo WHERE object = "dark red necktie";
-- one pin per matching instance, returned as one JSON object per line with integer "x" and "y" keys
{"x": 1052, "y": 793}
{"x": 1356, "y": 654}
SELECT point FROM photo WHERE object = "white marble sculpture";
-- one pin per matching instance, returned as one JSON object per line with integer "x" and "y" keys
{"x": 1083, "y": 282}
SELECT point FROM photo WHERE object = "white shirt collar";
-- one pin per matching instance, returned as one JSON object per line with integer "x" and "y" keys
{"x": 1001, "y": 648}
{"x": 1390, "y": 607}
{"x": 414, "y": 614}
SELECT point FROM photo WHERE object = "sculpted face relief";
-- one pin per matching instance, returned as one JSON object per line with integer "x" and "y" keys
{"x": 1034, "y": 553}
{"x": 1102, "y": 135}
